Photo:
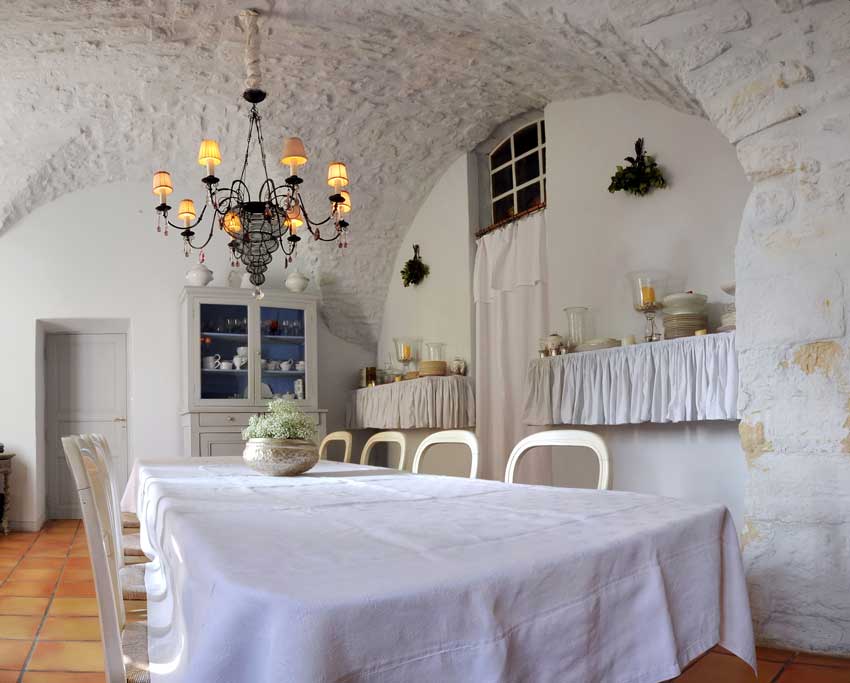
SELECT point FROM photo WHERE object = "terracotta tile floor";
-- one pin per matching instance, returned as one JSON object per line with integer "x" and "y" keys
{"x": 49, "y": 631}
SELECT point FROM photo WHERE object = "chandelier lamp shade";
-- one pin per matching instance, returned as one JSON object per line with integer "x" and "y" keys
{"x": 269, "y": 220}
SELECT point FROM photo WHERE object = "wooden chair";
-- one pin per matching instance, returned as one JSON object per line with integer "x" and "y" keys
{"x": 455, "y": 436}
{"x": 563, "y": 437}
{"x": 131, "y": 576}
{"x": 346, "y": 437}
{"x": 124, "y": 643}
{"x": 385, "y": 437}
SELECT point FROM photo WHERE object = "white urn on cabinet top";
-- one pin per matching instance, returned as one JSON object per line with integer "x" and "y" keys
{"x": 296, "y": 282}
{"x": 199, "y": 275}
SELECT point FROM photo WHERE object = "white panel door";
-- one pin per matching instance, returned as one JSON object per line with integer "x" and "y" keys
{"x": 86, "y": 392}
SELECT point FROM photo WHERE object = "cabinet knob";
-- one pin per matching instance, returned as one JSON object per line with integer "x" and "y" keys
{"x": 230, "y": 418}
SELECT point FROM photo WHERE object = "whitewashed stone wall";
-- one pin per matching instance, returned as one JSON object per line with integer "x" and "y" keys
{"x": 116, "y": 89}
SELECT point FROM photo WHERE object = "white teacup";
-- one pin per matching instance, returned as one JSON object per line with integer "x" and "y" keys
{"x": 273, "y": 365}
{"x": 299, "y": 365}
{"x": 226, "y": 365}
{"x": 286, "y": 365}
{"x": 242, "y": 351}
{"x": 211, "y": 362}
{"x": 239, "y": 361}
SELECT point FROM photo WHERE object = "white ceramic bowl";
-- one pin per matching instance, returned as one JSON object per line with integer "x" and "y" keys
{"x": 675, "y": 304}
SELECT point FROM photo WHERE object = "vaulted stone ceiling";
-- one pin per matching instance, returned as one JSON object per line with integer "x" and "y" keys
{"x": 102, "y": 90}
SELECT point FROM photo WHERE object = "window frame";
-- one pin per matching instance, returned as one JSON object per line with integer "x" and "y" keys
{"x": 540, "y": 178}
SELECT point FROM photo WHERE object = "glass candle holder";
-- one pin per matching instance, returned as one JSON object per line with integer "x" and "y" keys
{"x": 579, "y": 326}
{"x": 435, "y": 350}
{"x": 648, "y": 288}
{"x": 407, "y": 350}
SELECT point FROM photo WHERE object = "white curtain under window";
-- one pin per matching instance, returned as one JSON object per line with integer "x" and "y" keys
{"x": 509, "y": 288}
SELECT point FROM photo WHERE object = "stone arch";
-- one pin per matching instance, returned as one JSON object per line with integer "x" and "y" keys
{"x": 403, "y": 88}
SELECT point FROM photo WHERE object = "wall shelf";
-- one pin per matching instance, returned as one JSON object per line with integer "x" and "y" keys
{"x": 680, "y": 380}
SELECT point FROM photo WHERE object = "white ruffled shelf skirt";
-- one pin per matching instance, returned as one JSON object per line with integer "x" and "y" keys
{"x": 680, "y": 380}
{"x": 423, "y": 403}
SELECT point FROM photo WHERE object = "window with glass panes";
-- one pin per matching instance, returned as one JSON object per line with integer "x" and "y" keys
{"x": 518, "y": 172}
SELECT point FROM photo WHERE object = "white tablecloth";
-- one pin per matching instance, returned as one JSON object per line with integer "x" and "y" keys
{"x": 423, "y": 403}
{"x": 680, "y": 380}
{"x": 351, "y": 574}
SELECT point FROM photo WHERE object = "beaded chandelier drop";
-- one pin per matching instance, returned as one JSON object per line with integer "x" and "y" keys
{"x": 269, "y": 221}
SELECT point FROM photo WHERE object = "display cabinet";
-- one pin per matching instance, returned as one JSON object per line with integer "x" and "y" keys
{"x": 240, "y": 352}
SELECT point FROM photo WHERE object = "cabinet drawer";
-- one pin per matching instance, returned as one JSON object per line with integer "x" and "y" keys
{"x": 224, "y": 419}
{"x": 221, "y": 443}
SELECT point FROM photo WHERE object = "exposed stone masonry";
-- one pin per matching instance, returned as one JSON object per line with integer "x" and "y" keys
{"x": 110, "y": 90}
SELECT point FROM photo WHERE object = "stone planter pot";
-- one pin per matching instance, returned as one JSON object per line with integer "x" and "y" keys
{"x": 280, "y": 457}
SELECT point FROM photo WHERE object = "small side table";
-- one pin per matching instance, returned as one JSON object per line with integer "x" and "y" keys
{"x": 6, "y": 473}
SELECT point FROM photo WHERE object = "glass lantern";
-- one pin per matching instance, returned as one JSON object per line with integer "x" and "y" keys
{"x": 648, "y": 289}
{"x": 579, "y": 327}
{"x": 407, "y": 350}
{"x": 435, "y": 350}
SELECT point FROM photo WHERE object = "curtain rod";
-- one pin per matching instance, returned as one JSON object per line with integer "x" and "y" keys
{"x": 510, "y": 219}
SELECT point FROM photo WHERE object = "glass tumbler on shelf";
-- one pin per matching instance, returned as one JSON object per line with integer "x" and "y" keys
{"x": 407, "y": 350}
{"x": 579, "y": 326}
{"x": 648, "y": 289}
{"x": 435, "y": 350}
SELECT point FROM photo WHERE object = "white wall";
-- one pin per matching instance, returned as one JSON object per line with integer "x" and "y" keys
{"x": 96, "y": 254}
{"x": 594, "y": 238}
{"x": 440, "y": 308}
{"x": 689, "y": 229}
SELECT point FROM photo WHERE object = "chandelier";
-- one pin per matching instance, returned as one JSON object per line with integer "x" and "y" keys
{"x": 261, "y": 224}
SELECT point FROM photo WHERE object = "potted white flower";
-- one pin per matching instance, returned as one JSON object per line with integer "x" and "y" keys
{"x": 281, "y": 442}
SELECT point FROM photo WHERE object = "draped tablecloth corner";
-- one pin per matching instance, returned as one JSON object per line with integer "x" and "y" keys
{"x": 679, "y": 380}
{"x": 423, "y": 403}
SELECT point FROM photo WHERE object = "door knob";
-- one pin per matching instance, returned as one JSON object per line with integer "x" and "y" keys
{"x": 119, "y": 419}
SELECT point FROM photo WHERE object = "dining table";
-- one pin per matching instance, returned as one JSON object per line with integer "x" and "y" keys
{"x": 357, "y": 573}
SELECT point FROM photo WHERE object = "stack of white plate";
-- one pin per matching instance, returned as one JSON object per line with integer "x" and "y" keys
{"x": 684, "y": 314}
{"x": 598, "y": 344}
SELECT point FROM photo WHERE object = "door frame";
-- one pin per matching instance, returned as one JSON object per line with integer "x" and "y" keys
{"x": 49, "y": 326}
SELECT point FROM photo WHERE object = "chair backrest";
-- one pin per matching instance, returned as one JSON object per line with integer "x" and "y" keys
{"x": 104, "y": 456}
{"x": 92, "y": 489}
{"x": 346, "y": 437}
{"x": 455, "y": 436}
{"x": 385, "y": 437}
{"x": 564, "y": 437}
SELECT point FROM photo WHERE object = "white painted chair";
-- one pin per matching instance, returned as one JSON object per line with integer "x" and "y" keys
{"x": 131, "y": 576}
{"x": 346, "y": 437}
{"x": 563, "y": 437}
{"x": 453, "y": 436}
{"x": 385, "y": 437}
{"x": 124, "y": 643}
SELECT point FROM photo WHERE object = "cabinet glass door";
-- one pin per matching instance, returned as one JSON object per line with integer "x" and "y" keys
{"x": 225, "y": 357}
{"x": 283, "y": 364}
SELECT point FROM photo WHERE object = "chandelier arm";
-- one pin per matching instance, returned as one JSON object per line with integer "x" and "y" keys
{"x": 192, "y": 225}
{"x": 310, "y": 225}
{"x": 188, "y": 240}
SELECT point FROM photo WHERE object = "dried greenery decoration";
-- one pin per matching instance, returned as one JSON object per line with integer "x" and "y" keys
{"x": 641, "y": 176}
{"x": 415, "y": 270}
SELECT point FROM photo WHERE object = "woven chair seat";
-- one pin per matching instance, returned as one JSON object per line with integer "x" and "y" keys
{"x": 134, "y": 644}
{"x": 132, "y": 545}
{"x": 133, "y": 582}
{"x": 129, "y": 520}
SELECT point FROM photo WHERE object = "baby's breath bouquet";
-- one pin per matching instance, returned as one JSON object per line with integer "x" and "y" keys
{"x": 284, "y": 420}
